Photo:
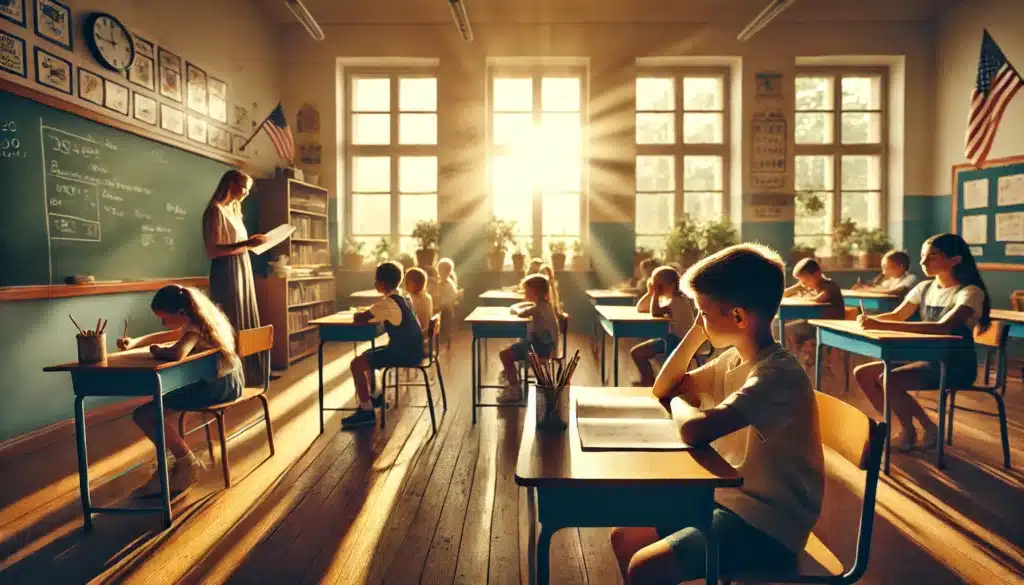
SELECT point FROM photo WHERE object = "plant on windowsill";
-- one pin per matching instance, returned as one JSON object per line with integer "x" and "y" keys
{"x": 799, "y": 252}
{"x": 843, "y": 241}
{"x": 500, "y": 234}
{"x": 382, "y": 251}
{"x": 518, "y": 260}
{"x": 873, "y": 243}
{"x": 719, "y": 235}
{"x": 429, "y": 234}
{"x": 683, "y": 243}
{"x": 810, "y": 202}
{"x": 557, "y": 248}
{"x": 578, "y": 262}
{"x": 351, "y": 253}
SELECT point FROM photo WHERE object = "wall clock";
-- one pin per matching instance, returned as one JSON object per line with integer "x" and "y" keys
{"x": 109, "y": 41}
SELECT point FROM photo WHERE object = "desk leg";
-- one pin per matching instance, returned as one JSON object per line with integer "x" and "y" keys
{"x": 320, "y": 370}
{"x": 819, "y": 357}
{"x": 543, "y": 556}
{"x": 83, "y": 461}
{"x": 531, "y": 537}
{"x": 474, "y": 381}
{"x": 710, "y": 555}
{"x": 939, "y": 463}
{"x": 782, "y": 332}
{"x": 161, "y": 454}
{"x": 615, "y": 351}
{"x": 887, "y": 413}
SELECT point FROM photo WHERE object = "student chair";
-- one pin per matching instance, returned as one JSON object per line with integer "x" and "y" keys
{"x": 248, "y": 342}
{"x": 994, "y": 338}
{"x": 433, "y": 332}
{"x": 1017, "y": 302}
{"x": 858, "y": 440}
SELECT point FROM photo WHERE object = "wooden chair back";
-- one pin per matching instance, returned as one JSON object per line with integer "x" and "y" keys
{"x": 850, "y": 313}
{"x": 994, "y": 337}
{"x": 1017, "y": 300}
{"x": 251, "y": 341}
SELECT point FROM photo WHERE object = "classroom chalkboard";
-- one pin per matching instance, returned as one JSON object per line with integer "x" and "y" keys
{"x": 988, "y": 211}
{"x": 79, "y": 197}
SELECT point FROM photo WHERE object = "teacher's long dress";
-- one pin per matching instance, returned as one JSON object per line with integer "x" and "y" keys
{"x": 232, "y": 286}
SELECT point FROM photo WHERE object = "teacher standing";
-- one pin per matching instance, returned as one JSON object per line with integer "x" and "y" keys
{"x": 228, "y": 244}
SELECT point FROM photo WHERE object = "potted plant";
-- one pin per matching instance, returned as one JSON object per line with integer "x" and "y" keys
{"x": 382, "y": 251}
{"x": 557, "y": 248}
{"x": 873, "y": 243}
{"x": 405, "y": 260}
{"x": 518, "y": 260}
{"x": 642, "y": 253}
{"x": 499, "y": 235}
{"x": 684, "y": 241}
{"x": 429, "y": 234}
{"x": 719, "y": 235}
{"x": 810, "y": 202}
{"x": 578, "y": 262}
{"x": 352, "y": 253}
{"x": 843, "y": 239}
{"x": 799, "y": 252}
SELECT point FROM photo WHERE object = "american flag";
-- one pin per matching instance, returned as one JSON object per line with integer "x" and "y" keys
{"x": 279, "y": 132}
{"x": 997, "y": 83}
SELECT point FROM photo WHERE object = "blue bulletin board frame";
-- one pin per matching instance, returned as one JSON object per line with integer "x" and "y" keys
{"x": 993, "y": 256}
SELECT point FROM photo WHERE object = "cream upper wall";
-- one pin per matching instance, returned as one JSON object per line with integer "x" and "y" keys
{"x": 310, "y": 69}
{"x": 232, "y": 40}
{"x": 958, "y": 42}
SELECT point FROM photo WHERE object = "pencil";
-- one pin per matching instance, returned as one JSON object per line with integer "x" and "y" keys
{"x": 862, "y": 311}
{"x": 125, "y": 328}
{"x": 76, "y": 325}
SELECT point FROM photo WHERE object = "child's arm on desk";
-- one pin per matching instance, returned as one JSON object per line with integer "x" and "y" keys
{"x": 177, "y": 351}
{"x": 158, "y": 337}
{"x": 522, "y": 309}
{"x": 362, "y": 317}
{"x": 794, "y": 291}
{"x": 892, "y": 321}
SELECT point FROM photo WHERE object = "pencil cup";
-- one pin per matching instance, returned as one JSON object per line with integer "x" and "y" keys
{"x": 552, "y": 408}
{"x": 92, "y": 349}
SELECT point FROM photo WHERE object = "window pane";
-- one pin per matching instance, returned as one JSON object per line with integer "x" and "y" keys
{"x": 655, "y": 173}
{"x": 561, "y": 214}
{"x": 417, "y": 174}
{"x": 813, "y": 213}
{"x": 655, "y": 212}
{"x": 655, "y": 93}
{"x": 820, "y": 243}
{"x": 371, "y": 214}
{"x": 813, "y": 173}
{"x": 655, "y": 128}
{"x": 417, "y": 94}
{"x": 863, "y": 208}
{"x": 702, "y": 128}
{"x": 560, "y": 132}
{"x": 408, "y": 245}
{"x": 414, "y": 208}
{"x": 861, "y": 173}
{"x": 813, "y": 93}
{"x": 862, "y": 93}
{"x": 656, "y": 243}
{"x": 371, "y": 128}
{"x": 702, "y": 173}
{"x": 560, "y": 94}
{"x": 813, "y": 128}
{"x": 702, "y": 93}
{"x": 861, "y": 128}
{"x": 705, "y": 207}
{"x": 371, "y": 94}
{"x": 513, "y": 94}
{"x": 508, "y": 129}
{"x": 512, "y": 192}
{"x": 557, "y": 171}
{"x": 417, "y": 128}
{"x": 371, "y": 174}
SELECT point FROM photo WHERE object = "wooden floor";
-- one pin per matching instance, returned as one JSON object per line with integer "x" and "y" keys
{"x": 401, "y": 507}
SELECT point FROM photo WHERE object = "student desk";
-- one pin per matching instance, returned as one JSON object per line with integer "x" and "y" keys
{"x": 369, "y": 295}
{"x": 796, "y": 308}
{"x": 569, "y": 487}
{"x": 132, "y": 373}
{"x": 620, "y": 322}
{"x": 340, "y": 327}
{"x": 888, "y": 346}
{"x": 874, "y": 302}
{"x": 1014, "y": 319}
{"x": 491, "y": 323}
{"x": 501, "y": 298}
{"x": 611, "y": 298}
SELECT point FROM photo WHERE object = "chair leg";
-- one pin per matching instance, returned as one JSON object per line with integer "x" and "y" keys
{"x": 181, "y": 425}
{"x": 209, "y": 439}
{"x": 266, "y": 418}
{"x": 949, "y": 425}
{"x": 440, "y": 382}
{"x": 1002, "y": 429}
{"x": 430, "y": 398}
{"x": 223, "y": 449}
{"x": 384, "y": 396}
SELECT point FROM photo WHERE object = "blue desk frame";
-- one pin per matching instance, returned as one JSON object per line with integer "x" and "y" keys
{"x": 343, "y": 332}
{"x": 617, "y": 329}
{"x": 134, "y": 381}
{"x": 793, "y": 312}
{"x": 483, "y": 331}
{"x": 872, "y": 304}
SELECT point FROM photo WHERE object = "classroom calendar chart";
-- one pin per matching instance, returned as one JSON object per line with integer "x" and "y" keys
{"x": 770, "y": 143}
{"x": 988, "y": 211}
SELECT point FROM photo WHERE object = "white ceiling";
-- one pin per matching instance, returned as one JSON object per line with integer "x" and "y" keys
{"x": 605, "y": 11}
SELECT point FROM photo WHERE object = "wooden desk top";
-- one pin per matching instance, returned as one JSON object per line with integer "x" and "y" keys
{"x": 559, "y": 459}
{"x": 369, "y": 293}
{"x": 626, "y": 314}
{"x": 801, "y": 302}
{"x": 866, "y": 294}
{"x": 1005, "y": 315}
{"x": 609, "y": 294}
{"x": 854, "y": 328}
{"x": 341, "y": 318}
{"x": 133, "y": 359}
{"x": 503, "y": 295}
{"x": 494, "y": 315}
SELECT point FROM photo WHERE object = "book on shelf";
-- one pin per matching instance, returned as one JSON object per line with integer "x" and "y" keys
{"x": 626, "y": 423}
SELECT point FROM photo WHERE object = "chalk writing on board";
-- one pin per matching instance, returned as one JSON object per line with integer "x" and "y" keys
{"x": 10, "y": 144}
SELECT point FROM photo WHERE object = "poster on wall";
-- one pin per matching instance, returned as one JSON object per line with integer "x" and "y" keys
{"x": 976, "y": 194}
{"x": 52, "y": 71}
{"x": 195, "y": 89}
{"x": 770, "y": 142}
{"x": 90, "y": 86}
{"x": 975, "y": 229}
{"x": 170, "y": 75}
{"x": 768, "y": 207}
{"x": 1011, "y": 191}
{"x": 768, "y": 85}
{"x": 13, "y": 10}
{"x": 218, "y": 99}
{"x": 53, "y": 22}
{"x": 12, "y": 54}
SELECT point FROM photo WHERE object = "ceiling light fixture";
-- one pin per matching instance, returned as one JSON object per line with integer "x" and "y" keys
{"x": 761, "y": 20}
{"x": 305, "y": 19}
{"x": 461, "y": 18}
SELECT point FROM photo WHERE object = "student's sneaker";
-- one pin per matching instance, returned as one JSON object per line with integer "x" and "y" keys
{"x": 510, "y": 395}
{"x": 182, "y": 474}
{"x": 360, "y": 418}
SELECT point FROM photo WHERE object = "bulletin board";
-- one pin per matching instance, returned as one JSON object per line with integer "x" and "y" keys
{"x": 988, "y": 211}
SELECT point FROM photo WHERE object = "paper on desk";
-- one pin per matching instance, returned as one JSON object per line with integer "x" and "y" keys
{"x": 609, "y": 423}
{"x": 274, "y": 237}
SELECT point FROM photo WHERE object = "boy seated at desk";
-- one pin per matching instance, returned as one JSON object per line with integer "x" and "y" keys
{"x": 662, "y": 299}
{"x": 542, "y": 334}
{"x": 422, "y": 304}
{"x": 812, "y": 285}
{"x": 754, "y": 404}
{"x": 895, "y": 277}
{"x": 404, "y": 348}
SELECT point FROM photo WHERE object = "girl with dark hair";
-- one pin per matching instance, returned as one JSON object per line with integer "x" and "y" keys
{"x": 953, "y": 303}
{"x": 228, "y": 244}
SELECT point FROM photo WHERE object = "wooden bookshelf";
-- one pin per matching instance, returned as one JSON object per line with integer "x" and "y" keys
{"x": 290, "y": 303}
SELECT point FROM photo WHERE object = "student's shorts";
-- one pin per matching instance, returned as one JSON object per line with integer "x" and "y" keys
{"x": 521, "y": 350}
{"x": 742, "y": 549}
{"x": 206, "y": 392}
{"x": 958, "y": 375}
{"x": 394, "y": 357}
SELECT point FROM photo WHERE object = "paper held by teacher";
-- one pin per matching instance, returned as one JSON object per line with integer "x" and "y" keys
{"x": 274, "y": 237}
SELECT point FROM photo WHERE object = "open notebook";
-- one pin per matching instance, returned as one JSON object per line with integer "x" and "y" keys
{"x": 625, "y": 423}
